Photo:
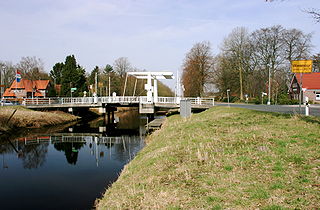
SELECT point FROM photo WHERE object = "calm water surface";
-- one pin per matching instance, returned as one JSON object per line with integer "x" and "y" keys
{"x": 66, "y": 169}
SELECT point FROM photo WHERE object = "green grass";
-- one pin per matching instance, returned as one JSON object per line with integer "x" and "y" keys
{"x": 224, "y": 158}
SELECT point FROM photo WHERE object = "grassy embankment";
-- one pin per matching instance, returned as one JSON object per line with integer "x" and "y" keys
{"x": 224, "y": 158}
{"x": 26, "y": 118}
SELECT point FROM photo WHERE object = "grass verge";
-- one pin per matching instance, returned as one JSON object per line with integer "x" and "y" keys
{"x": 26, "y": 118}
{"x": 223, "y": 158}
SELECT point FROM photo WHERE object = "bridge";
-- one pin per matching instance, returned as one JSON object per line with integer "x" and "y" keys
{"x": 145, "y": 106}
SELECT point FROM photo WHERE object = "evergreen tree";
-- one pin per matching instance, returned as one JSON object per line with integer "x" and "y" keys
{"x": 92, "y": 76}
{"x": 55, "y": 73}
{"x": 81, "y": 81}
{"x": 108, "y": 69}
{"x": 73, "y": 76}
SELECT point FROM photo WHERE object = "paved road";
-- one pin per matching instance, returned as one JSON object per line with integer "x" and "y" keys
{"x": 288, "y": 109}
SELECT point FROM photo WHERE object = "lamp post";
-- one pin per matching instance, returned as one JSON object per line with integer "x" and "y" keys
{"x": 228, "y": 90}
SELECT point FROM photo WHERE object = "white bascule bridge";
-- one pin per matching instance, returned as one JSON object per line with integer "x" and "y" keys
{"x": 146, "y": 104}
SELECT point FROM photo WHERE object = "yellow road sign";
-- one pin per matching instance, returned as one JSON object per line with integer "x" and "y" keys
{"x": 301, "y": 66}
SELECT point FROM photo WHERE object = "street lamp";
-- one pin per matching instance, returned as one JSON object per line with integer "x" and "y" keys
{"x": 228, "y": 90}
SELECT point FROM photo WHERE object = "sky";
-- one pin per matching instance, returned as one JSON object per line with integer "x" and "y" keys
{"x": 154, "y": 35}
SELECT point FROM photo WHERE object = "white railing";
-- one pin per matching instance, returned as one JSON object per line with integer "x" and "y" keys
{"x": 115, "y": 99}
{"x": 167, "y": 100}
{"x": 202, "y": 101}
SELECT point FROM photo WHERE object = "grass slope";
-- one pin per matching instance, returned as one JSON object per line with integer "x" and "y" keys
{"x": 224, "y": 158}
{"x": 27, "y": 118}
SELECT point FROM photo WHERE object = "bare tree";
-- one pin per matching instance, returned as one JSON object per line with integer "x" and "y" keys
{"x": 297, "y": 45}
{"x": 197, "y": 69}
{"x": 237, "y": 46}
{"x": 32, "y": 68}
{"x": 316, "y": 62}
{"x": 226, "y": 74}
{"x": 7, "y": 73}
{"x": 251, "y": 59}
{"x": 315, "y": 13}
{"x": 121, "y": 66}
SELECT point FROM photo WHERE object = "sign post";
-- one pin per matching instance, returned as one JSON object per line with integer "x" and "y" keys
{"x": 72, "y": 90}
{"x": 301, "y": 66}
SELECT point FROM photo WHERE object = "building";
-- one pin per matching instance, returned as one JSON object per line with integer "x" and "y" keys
{"x": 27, "y": 89}
{"x": 310, "y": 86}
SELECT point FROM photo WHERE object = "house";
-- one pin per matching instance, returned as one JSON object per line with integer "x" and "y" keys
{"x": 27, "y": 89}
{"x": 310, "y": 86}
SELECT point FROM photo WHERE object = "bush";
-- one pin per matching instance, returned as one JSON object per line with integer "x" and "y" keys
{"x": 294, "y": 101}
{"x": 234, "y": 99}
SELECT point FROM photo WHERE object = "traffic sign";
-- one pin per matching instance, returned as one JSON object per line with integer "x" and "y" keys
{"x": 73, "y": 89}
{"x": 301, "y": 66}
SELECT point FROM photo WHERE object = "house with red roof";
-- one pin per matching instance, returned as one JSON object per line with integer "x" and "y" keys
{"x": 27, "y": 89}
{"x": 310, "y": 86}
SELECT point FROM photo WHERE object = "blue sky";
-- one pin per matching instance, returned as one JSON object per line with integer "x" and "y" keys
{"x": 154, "y": 34}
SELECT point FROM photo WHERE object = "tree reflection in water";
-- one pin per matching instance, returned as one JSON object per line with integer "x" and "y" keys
{"x": 70, "y": 150}
{"x": 33, "y": 156}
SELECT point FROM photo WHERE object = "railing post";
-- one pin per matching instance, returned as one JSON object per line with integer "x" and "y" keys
{"x": 213, "y": 102}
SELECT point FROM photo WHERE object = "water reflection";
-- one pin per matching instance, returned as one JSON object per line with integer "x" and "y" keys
{"x": 70, "y": 151}
{"x": 65, "y": 165}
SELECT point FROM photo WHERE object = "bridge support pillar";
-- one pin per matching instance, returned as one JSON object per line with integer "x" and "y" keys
{"x": 110, "y": 115}
{"x": 148, "y": 87}
{"x": 155, "y": 91}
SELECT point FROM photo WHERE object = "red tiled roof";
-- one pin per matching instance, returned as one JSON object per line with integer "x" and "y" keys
{"x": 9, "y": 93}
{"x": 29, "y": 85}
{"x": 310, "y": 81}
{"x": 41, "y": 84}
{"x": 23, "y": 84}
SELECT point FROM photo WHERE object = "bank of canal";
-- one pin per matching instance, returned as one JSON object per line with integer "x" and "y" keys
{"x": 224, "y": 158}
{"x": 68, "y": 167}
{"x": 16, "y": 117}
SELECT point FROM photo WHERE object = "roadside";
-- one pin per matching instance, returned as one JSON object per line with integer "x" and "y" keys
{"x": 26, "y": 118}
{"x": 224, "y": 158}
{"x": 286, "y": 109}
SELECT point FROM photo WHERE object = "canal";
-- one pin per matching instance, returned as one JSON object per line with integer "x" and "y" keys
{"x": 68, "y": 167}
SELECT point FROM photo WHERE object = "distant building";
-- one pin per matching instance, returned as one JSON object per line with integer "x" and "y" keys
{"x": 310, "y": 86}
{"x": 27, "y": 89}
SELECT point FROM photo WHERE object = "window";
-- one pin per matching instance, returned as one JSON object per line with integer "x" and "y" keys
{"x": 318, "y": 96}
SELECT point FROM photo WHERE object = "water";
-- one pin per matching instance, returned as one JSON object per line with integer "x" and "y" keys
{"x": 63, "y": 169}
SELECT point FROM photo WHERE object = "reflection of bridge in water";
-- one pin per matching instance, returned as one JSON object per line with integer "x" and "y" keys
{"x": 71, "y": 144}
{"x": 80, "y": 138}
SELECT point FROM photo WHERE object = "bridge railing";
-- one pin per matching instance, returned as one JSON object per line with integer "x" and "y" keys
{"x": 121, "y": 99}
{"x": 115, "y": 99}
{"x": 167, "y": 100}
{"x": 194, "y": 101}
{"x": 202, "y": 101}
{"x": 40, "y": 101}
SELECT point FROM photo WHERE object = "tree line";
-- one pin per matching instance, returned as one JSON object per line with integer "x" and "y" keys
{"x": 247, "y": 63}
{"x": 102, "y": 81}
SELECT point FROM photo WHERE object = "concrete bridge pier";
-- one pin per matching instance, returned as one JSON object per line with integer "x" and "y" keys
{"x": 110, "y": 115}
